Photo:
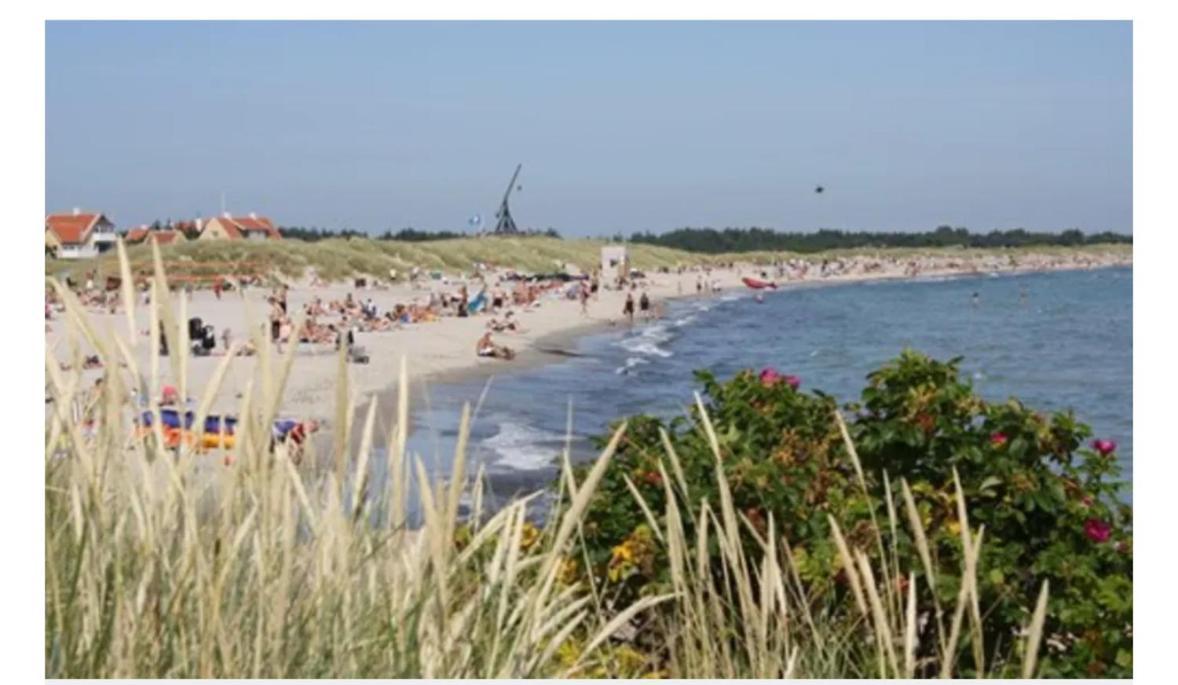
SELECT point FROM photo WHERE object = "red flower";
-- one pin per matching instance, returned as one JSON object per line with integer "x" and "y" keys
{"x": 793, "y": 381}
{"x": 926, "y": 423}
{"x": 1105, "y": 447}
{"x": 653, "y": 478}
{"x": 1097, "y": 530}
{"x": 998, "y": 439}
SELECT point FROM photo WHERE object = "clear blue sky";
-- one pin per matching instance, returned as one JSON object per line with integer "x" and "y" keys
{"x": 619, "y": 126}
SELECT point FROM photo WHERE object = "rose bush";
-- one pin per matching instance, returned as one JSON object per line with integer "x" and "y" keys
{"x": 1051, "y": 504}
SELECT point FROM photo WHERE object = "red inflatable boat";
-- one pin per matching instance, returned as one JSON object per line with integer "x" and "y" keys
{"x": 756, "y": 284}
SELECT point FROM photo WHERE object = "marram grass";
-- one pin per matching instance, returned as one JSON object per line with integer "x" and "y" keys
{"x": 166, "y": 564}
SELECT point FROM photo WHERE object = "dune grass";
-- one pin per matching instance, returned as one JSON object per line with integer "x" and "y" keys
{"x": 174, "y": 563}
{"x": 342, "y": 258}
{"x": 339, "y": 258}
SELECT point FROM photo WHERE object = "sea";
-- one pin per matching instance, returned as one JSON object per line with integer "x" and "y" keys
{"x": 1057, "y": 340}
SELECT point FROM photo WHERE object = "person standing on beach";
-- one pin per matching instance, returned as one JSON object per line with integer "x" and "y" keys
{"x": 644, "y": 305}
{"x": 628, "y": 308}
{"x": 276, "y": 314}
{"x": 584, "y": 299}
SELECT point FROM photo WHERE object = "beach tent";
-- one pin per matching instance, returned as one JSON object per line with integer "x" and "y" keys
{"x": 477, "y": 302}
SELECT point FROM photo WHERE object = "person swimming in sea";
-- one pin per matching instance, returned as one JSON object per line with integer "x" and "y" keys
{"x": 975, "y": 298}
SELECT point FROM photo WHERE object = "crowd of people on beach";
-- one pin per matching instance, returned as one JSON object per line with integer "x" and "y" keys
{"x": 338, "y": 321}
{"x": 503, "y": 295}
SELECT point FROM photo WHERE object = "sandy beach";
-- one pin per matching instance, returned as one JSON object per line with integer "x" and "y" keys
{"x": 446, "y": 347}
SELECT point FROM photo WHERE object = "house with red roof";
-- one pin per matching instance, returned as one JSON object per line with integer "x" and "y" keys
{"x": 163, "y": 236}
{"x": 251, "y": 227}
{"x": 78, "y": 234}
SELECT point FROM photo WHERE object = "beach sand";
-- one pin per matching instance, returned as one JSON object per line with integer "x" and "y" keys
{"x": 445, "y": 348}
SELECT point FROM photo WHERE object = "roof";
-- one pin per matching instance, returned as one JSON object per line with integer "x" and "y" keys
{"x": 71, "y": 228}
{"x": 235, "y": 226}
{"x": 163, "y": 237}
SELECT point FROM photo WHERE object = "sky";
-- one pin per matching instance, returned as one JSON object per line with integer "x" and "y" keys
{"x": 644, "y": 126}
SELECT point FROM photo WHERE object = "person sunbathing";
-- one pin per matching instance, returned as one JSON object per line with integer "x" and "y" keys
{"x": 508, "y": 324}
{"x": 90, "y": 362}
{"x": 247, "y": 349}
{"x": 486, "y": 347}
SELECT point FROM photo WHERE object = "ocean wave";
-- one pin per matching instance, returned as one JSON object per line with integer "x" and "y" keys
{"x": 631, "y": 362}
{"x": 524, "y": 448}
{"x": 647, "y": 347}
{"x": 648, "y": 341}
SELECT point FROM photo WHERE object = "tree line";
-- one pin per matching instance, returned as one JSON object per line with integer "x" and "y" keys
{"x": 710, "y": 240}
{"x": 411, "y": 235}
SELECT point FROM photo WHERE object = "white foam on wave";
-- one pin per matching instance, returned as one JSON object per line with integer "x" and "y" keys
{"x": 631, "y": 362}
{"x": 684, "y": 320}
{"x": 648, "y": 341}
{"x": 647, "y": 347}
{"x": 523, "y": 447}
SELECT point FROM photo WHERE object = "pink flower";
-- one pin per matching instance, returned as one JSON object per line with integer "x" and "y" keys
{"x": 998, "y": 439}
{"x": 1097, "y": 530}
{"x": 769, "y": 376}
{"x": 1105, "y": 447}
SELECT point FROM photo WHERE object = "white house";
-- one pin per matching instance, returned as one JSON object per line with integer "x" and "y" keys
{"x": 78, "y": 234}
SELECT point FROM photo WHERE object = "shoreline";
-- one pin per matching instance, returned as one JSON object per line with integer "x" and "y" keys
{"x": 535, "y": 358}
{"x": 442, "y": 352}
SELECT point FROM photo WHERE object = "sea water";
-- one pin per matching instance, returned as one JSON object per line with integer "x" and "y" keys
{"x": 1058, "y": 341}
